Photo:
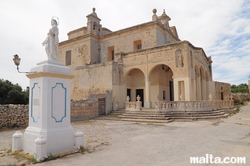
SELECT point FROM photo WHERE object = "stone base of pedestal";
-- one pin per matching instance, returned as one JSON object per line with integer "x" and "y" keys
{"x": 147, "y": 104}
{"x": 58, "y": 140}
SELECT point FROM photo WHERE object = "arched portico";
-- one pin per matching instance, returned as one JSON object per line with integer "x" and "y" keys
{"x": 158, "y": 82}
{"x": 135, "y": 84}
{"x": 161, "y": 83}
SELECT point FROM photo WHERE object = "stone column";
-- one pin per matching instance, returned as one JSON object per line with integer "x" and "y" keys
{"x": 176, "y": 90}
{"x": 49, "y": 108}
{"x": 205, "y": 89}
{"x": 198, "y": 87}
{"x": 147, "y": 103}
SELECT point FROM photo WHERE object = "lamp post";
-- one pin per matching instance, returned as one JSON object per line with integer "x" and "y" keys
{"x": 17, "y": 60}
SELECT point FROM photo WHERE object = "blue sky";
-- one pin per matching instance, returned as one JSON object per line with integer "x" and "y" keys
{"x": 221, "y": 28}
{"x": 231, "y": 51}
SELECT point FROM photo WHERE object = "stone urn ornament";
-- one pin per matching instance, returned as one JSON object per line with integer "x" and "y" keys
{"x": 138, "y": 98}
{"x": 127, "y": 98}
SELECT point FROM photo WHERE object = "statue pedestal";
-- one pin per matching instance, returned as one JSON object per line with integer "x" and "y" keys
{"x": 49, "y": 108}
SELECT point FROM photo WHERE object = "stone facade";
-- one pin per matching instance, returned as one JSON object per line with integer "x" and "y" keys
{"x": 222, "y": 91}
{"x": 148, "y": 60}
{"x": 14, "y": 115}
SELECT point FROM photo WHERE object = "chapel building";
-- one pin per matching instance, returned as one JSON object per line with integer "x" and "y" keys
{"x": 149, "y": 60}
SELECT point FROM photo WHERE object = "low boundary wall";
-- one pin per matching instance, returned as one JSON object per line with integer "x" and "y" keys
{"x": 14, "y": 115}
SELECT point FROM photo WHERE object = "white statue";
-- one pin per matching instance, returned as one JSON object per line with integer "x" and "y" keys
{"x": 115, "y": 104}
{"x": 210, "y": 96}
{"x": 51, "y": 41}
{"x": 181, "y": 97}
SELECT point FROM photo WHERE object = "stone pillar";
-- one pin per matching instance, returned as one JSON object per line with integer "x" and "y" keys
{"x": 198, "y": 87}
{"x": 49, "y": 108}
{"x": 40, "y": 148}
{"x": 176, "y": 90}
{"x": 204, "y": 87}
{"x": 79, "y": 139}
{"x": 17, "y": 141}
{"x": 147, "y": 103}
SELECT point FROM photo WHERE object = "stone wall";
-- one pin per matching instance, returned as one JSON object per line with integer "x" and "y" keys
{"x": 17, "y": 115}
{"x": 241, "y": 96}
{"x": 84, "y": 109}
{"x": 14, "y": 115}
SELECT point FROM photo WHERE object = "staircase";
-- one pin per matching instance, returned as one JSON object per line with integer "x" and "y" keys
{"x": 146, "y": 116}
{"x": 152, "y": 116}
{"x": 195, "y": 115}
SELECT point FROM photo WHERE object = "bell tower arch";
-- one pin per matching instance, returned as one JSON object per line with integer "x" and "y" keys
{"x": 93, "y": 24}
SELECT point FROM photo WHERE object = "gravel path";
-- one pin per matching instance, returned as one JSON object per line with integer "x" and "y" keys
{"x": 116, "y": 143}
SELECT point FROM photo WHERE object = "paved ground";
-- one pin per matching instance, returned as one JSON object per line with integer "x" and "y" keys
{"x": 115, "y": 143}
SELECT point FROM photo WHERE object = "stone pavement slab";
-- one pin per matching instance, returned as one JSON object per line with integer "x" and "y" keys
{"x": 121, "y": 143}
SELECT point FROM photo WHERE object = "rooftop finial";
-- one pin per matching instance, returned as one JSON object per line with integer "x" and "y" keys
{"x": 94, "y": 13}
{"x": 165, "y": 17}
{"x": 154, "y": 11}
{"x": 154, "y": 17}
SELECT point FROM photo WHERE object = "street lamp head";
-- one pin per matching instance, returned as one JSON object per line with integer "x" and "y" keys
{"x": 16, "y": 60}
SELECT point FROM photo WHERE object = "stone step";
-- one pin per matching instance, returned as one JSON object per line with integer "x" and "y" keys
{"x": 154, "y": 116}
{"x": 193, "y": 115}
{"x": 198, "y": 118}
{"x": 191, "y": 112}
{"x": 143, "y": 112}
{"x": 116, "y": 113}
{"x": 146, "y": 120}
{"x": 143, "y": 117}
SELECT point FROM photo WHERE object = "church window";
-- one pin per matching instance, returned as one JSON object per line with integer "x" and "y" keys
{"x": 164, "y": 95}
{"x": 111, "y": 53}
{"x": 137, "y": 45}
{"x": 68, "y": 58}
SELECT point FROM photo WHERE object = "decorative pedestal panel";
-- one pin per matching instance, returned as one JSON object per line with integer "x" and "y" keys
{"x": 49, "y": 108}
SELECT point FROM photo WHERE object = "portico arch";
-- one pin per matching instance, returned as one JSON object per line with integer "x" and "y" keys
{"x": 135, "y": 84}
{"x": 161, "y": 83}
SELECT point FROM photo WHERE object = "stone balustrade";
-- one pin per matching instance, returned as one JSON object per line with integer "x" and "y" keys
{"x": 134, "y": 106}
{"x": 163, "y": 106}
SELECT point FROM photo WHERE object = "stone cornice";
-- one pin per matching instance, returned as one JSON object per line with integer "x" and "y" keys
{"x": 151, "y": 23}
{"x": 78, "y": 38}
{"x": 141, "y": 26}
{"x": 49, "y": 74}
